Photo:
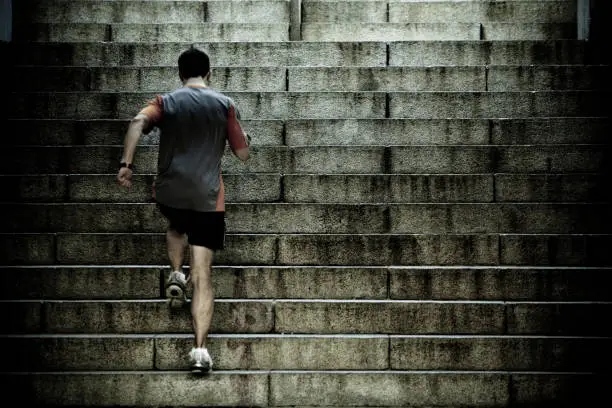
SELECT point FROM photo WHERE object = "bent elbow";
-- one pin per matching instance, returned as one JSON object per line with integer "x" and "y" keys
{"x": 139, "y": 123}
{"x": 243, "y": 154}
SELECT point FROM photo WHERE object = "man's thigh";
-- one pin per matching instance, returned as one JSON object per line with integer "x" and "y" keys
{"x": 178, "y": 219}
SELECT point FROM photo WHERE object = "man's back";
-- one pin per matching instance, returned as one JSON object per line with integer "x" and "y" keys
{"x": 194, "y": 130}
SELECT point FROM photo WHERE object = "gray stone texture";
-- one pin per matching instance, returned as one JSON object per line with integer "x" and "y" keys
{"x": 390, "y": 317}
{"x": 476, "y": 11}
{"x": 371, "y": 31}
{"x": 389, "y": 389}
{"x": 148, "y": 12}
{"x": 136, "y": 389}
{"x": 154, "y": 316}
{"x": 495, "y": 283}
{"x": 281, "y": 353}
{"x": 496, "y": 353}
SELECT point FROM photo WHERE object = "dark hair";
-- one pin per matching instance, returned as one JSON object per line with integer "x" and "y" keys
{"x": 193, "y": 63}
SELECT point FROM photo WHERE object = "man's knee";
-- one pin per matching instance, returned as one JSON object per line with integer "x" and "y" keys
{"x": 201, "y": 261}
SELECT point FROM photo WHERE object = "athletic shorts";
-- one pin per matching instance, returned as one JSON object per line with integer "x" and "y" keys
{"x": 205, "y": 229}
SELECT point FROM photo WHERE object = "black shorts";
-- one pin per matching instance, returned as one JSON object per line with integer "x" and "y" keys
{"x": 205, "y": 229}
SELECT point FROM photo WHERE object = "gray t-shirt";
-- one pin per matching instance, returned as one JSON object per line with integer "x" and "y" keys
{"x": 193, "y": 134}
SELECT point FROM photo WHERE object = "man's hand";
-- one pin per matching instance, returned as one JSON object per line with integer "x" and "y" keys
{"x": 125, "y": 177}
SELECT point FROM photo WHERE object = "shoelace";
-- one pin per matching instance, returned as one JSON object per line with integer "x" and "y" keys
{"x": 199, "y": 355}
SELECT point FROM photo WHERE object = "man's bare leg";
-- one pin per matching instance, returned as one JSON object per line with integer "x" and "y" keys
{"x": 176, "y": 244}
{"x": 202, "y": 302}
{"x": 176, "y": 286}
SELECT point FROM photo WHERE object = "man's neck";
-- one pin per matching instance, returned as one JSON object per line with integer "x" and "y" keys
{"x": 195, "y": 81}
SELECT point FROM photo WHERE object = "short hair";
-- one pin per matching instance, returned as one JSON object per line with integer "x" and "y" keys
{"x": 193, "y": 63}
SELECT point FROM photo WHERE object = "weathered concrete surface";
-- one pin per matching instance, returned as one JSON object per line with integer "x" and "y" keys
{"x": 482, "y": 12}
{"x": 159, "y": 32}
{"x": 69, "y": 353}
{"x": 242, "y": 54}
{"x": 151, "y": 12}
{"x": 497, "y": 353}
{"x": 133, "y": 317}
{"x": 280, "y": 352}
{"x": 389, "y": 389}
{"x": 495, "y": 283}
{"x": 349, "y": 31}
{"x": 390, "y": 317}
{"x": 139, "y": 389}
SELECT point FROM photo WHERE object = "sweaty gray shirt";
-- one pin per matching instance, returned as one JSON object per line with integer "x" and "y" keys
{"x": 194, "y": 123}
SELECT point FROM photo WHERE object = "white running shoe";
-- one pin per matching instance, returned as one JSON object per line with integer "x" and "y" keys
{"x": 201, "y": 362}
{"x": 176, "y": 289}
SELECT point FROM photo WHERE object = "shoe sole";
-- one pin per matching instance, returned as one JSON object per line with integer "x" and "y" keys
{"x": 175, "y": 295}
{"x": 202, "y": 370}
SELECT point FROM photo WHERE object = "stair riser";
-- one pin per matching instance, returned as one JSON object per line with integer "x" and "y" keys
{"x": 448, "y": 31}
{"x": 312, "y": 54}
{"x": 333, "y": 105}
{"x": 317, "y": 132}
{"x": 306, "y": 317}
{"x": 307, "y": 353}
{"x": 348, "y": 189}
{"x": 391, "y": 79}
{"x": 411, "y": 283}
{"x": 142, "y": 12}
{"x": 327, "y": 160}
{"x": 408, "y": 12}
{"x": 352, "y": 250}
{"x": 322, "y": 218}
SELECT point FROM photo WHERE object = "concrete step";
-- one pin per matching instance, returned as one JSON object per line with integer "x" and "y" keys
{"x": 358, "y": 31}
{"x": 442, "y": 78}
{"x": 497, "y": 52}
{"x": 310, "y": 188}
{"x": 243, "y": 54}
{"x": 150, "y": 79}
{"x": 495, "y": 104}
{"x": 528, "y": 31}
{"x": 344, "y": 11}
{"x": 366, "y": 188}
{"x": 448, "y": 78}
{"x": 556, "y": 284}
{"x": 448, "y": 159}
{"x": 534, "y": 187}
{"x": 562, "y": 11}
{"x": 132, "y": 32}
{"x": 427, "y": 31}
{"x": 308, "y": 388}
{"x": 317, "y": 132}
{"x": 326, "y": 105}
{"x": 311, "y": 317}
{"x": 317, "y": 249}
{"x": 151, "y": 12}
{"x": 443, "y": 188}
{"x": 102, "y": 188}
{"x": 304, "y": 352}
{"x": 112, "y": 131}
{"x": 284, "y": 218}
{"x": 310, "y": 54}
{"x": 543, "y": 11}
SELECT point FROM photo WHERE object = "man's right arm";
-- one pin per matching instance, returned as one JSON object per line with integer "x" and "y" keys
{"x": 239, "y": 141}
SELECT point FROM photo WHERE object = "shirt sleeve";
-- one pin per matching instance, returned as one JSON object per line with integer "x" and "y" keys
{"x": 235, "y": 135}
{"x": 154, "y": 111}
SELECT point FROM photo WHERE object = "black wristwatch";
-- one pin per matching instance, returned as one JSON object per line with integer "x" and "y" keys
{"x": 128, "y": 165}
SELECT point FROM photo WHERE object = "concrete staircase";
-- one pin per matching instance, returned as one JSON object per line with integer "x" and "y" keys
{"x": 423, "y": 222}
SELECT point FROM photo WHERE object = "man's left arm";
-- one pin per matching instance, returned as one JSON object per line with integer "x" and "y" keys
{"x": 141, "y": 123}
